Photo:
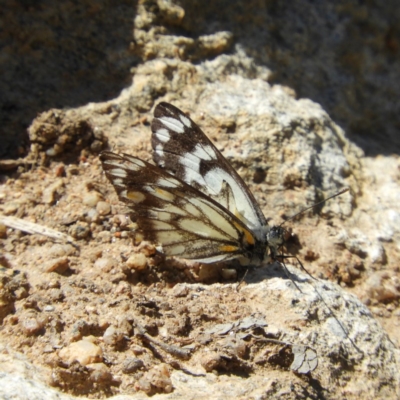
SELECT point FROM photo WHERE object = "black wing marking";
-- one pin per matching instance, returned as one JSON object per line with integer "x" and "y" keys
{"x": 182, "y": 148}
{"x": 182, "y": 219}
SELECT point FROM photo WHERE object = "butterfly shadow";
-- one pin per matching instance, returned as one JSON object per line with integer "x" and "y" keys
{"x": 276, "y": 269}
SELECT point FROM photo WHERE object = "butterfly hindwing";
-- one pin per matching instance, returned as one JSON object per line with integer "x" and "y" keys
{"x": 184, "y": 220}
{"x": 182, "y": 148}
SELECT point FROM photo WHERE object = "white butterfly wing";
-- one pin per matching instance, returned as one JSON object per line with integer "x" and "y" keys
{"x": 185, "y": 221}
{"x": 182, "y": 148}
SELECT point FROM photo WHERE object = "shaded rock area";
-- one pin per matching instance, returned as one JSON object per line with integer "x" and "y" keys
{"x": 344, "y": 56}
{"x": 57, "y": 55}
{"x": 98, "y": 316}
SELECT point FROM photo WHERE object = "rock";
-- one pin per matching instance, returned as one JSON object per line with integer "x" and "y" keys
{"x": 157, "y": 380}
{"x": 210, "y": 361}
{"x": 59, "y": 265}
{"x": 60, "y": 250}
{"x": 113, "y": 336}
{"x": 50, "y": 193}
{"x": 32, "y": 325}
{"x": 91, "y": 199}
{"x": 383, "y": 286}
{"x": 83, "y": 351}
{"x": 93, "y": 215}
{"x": 103, "y": 208}
{"x": 146, "y": 248}
{"x": 11, "y": 208}
{"x": 99, "y": 372}
{"x": 291, "y": 150}
{"x": 105, "y": 264}
{"x": 137, "y": 261}
{"x": 132, "y": 364}
{"x": 302, "y": 319}
{"x": 79, "y": 231}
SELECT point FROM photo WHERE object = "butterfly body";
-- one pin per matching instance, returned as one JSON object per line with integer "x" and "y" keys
{"x": 193, "y": 202}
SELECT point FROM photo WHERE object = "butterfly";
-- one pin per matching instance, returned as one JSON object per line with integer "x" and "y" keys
{"x": 192, "y": 202}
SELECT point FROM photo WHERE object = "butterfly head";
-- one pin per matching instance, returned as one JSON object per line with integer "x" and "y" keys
{"x": 276, "y": 237}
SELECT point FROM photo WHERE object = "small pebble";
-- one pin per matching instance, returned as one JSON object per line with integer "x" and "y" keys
{"x": 98, "y": 133}
{"x": 180, "y": 290}
{"x": 31, "y": 302}
{"x": 113, "y": 336}
{"x": 10, "y": 208}
{"x": 50, "y": 193}
{"x": 81, "y": 230}
{"x": 59, "y": 171}
{"x": 273, "y": 331}
{"x": 78, "y": 329}
{"x": 210, "y": 361}
{"x": 56, "y": 294}
{"x": 6, "y": 261}
{"x": 103, "y": 237}
{"x": 59, "y": 265}
{"x": 377, "y": 254}
{"x": 123, "y": 288}
{"x": 382, "y": 287}
{"x": 137, "y": 350}
{"x": 60, "y": 250}
{"x": 84, "y": 351}
{"x": 131, "y": 364}
{"x": 137, "y": 262}
{"x": 54, "y": 284}
{"x": 53, "y": 151}
{"x": 124, "y": 325}
{"x": 148, "y": 249}
{"x": 239, "y": 348}
{"x": 48, "y": 349}
{"x": 105, "y": 264}
{"x": 93, "y": 215}
{"x": 32, "y": 326}
{"x": 103, "y": 323}
{"x": 157, "y": 378}
{"x": 99, "y": 372}
{"x": 21, "y": 293}
{"x": 103, "y": 208}
{"x": 91, "y": 199}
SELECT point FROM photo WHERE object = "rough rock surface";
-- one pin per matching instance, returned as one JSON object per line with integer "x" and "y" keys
{"x": 343, "y": 55}
{"x": 242, "y": 336}
{"x": 103, "y": 317}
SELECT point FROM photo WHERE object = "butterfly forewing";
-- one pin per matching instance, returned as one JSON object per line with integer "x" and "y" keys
{"x": 182, "y": 148}
{"x": 182, "y": 219}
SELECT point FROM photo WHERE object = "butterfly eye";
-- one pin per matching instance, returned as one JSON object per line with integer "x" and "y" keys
{"x": 276, "y": 236}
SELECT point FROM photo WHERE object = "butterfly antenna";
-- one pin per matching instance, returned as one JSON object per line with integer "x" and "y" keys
{"x": 288, "y": 274}
{"x": 332, "y": 313}
{"x": 314, "y": 205}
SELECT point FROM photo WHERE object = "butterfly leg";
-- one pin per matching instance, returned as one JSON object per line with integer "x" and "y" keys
{"x": 282, "y": 256}
{"x": 282, "y": 262}
{"x": 242, "y": 280}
